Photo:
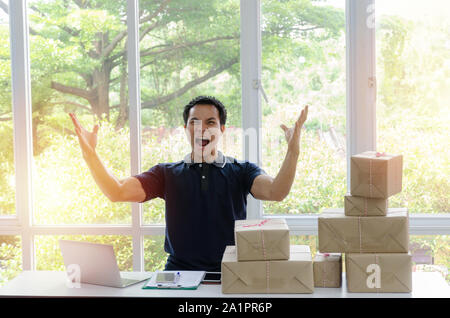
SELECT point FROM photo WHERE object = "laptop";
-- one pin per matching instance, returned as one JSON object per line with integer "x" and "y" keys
{"x": 97, "y": 264}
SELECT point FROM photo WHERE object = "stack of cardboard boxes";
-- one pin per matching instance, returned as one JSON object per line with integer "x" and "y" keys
{"x": 263, "y": 261}
{"x": 374, "y": 237}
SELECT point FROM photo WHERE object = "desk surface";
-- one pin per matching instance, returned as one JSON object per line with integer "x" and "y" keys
{"x": 53, "y": 284}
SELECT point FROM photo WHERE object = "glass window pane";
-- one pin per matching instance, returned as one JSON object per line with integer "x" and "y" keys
{"x": 78, "y": 64}
{"x": 10, "y": 258}
{"x": 303, "y": 62}
{"x": 187, "y": 49}
{"x": 430, "y": 253}
{"x": 413, "y": 71}
{"x": 49, "y": 257}
{"x": 7, "y": 174}
{"x": 154, "y": 255}
{"x": 310, "y": 240}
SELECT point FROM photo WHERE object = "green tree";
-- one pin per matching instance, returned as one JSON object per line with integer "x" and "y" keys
{"x": 183, "y": 44}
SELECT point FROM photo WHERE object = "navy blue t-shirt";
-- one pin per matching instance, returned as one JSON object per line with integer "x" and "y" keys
{"x": 202, "y": 203}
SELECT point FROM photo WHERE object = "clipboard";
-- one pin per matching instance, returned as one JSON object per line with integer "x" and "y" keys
{"x": 189, "y": 280}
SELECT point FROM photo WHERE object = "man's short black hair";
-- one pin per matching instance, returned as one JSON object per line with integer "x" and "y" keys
{"x": 206, "y": 100}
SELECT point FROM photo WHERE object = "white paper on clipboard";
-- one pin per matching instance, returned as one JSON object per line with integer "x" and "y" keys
{"x": 187, "y": 280}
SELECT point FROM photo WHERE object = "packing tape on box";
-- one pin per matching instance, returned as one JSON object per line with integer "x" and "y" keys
{"x": 324, "y": 272}
{"x": 360, "y": 234}
{"x": 378, "y": 154}
{"x": 265, "y": 258}
{"x": 365, "y": 206}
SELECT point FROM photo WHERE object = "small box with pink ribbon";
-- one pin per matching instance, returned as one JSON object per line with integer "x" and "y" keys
{"x": 376, "y": 174}
{"x": 259, "y": 240}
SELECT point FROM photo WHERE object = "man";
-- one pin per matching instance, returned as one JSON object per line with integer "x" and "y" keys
{"x": 205, "y": 192}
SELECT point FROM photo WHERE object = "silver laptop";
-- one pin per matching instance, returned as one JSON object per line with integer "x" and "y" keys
{"x": 97, "y": 264}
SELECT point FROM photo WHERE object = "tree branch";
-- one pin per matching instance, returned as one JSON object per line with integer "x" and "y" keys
{"x": 111, "y": 46}
{"x": 82, "y": 4}
{"x": 72, "y": 90}
{"x": 148, "y": 29}
{"x": 155, "y": 14}
{"x": 185, "y": 45}
{"x": 189, "y": 85}
{"x": 142, "y": 34}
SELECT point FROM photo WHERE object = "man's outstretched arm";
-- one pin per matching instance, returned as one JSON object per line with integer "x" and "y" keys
{"x": 276, "y": 189}
{"x": 126, "y": 190}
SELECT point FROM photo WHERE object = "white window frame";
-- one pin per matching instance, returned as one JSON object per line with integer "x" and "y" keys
{"x": 361, "y": 127}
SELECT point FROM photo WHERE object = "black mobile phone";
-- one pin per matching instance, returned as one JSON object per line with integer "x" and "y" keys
{"x": 212, "y": 278}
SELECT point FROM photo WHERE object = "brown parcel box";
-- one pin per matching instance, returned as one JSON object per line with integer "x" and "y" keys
{"x": 276, "y": 276}
{"x": 327, "y": 270}
{"x": 258, "y": 240}
{"x": 375, "y": 175}
{"x": 362, "y": 206}
{"x": 394, "y": 274}
{"x": 339, "y": 233}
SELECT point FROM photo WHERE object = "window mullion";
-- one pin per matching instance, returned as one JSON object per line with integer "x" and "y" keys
{"x": 361, "y": 87}
{"x": 23, "y": 139}
{"x": 251, "y": 100}
{"x": 135, "y": 124}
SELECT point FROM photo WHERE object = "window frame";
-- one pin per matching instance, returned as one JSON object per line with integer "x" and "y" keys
{"x": 360, "y": 137}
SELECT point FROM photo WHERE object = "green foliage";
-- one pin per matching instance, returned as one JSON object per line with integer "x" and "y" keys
{"x": 412, "y": 115}
{"x": 10, "y": 258}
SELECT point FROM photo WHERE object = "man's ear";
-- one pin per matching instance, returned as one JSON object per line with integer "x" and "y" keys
{"x": 222, "y": 128}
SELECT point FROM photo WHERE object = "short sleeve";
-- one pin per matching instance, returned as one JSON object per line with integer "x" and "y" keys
{"x": 152, "y": 182}
{"x": 251, "y": 171}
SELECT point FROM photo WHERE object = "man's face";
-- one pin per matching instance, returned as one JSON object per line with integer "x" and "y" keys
{"x": 204, "y": 131}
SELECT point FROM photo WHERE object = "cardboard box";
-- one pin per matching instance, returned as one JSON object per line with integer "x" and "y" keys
{"x": 339, "y": 233}
{"x": 379, "y": 273}
{"x": 266, "y": 239}
{"x": 327, "y": 270}
{"x": 276, "y": 276}
{"x": 362, "y": 206}
{"x": 376, "y": 175}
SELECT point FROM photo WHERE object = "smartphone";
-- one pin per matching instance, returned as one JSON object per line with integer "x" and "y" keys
{"x": 212, "y": 278}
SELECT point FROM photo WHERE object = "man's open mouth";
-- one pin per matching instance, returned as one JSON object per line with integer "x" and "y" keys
{"x": 202, "y": 142}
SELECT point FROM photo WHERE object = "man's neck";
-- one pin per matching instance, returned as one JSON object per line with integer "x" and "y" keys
{"x": 214, "y": 156}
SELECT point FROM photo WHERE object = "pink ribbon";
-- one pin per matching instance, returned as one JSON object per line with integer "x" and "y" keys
{"x": 380, "y": 154}
{"x": 257, "y": 224}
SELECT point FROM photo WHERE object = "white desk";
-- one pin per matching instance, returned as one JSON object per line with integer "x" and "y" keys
{"x": 53, "y": 284}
